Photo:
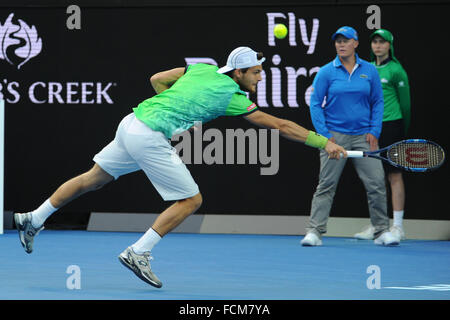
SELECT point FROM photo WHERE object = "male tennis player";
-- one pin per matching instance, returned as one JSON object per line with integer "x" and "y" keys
{"x": 198, "y": 92}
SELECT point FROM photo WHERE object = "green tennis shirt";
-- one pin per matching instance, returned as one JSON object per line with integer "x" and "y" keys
{"x": 397, "y": 101}
{"x": 201, "y": 94}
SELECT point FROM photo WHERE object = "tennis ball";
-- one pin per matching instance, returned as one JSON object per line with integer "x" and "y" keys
{"x": 280, "y": 31}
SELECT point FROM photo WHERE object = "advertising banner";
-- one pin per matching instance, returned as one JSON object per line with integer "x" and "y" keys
{"x": 69, "y": 78}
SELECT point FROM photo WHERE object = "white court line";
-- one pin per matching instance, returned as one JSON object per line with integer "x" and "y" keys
{"x": 432, "y": 287}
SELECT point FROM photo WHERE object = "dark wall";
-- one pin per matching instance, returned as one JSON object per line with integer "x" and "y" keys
{"x": 118, "y": 48}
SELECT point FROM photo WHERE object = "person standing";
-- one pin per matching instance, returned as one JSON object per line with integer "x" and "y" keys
{"x": 396, "y": 119}
{"x": 347, "y": 107}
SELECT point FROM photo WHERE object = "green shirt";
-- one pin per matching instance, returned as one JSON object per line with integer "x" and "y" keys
{"x": 201, "y": 94}
{"x": 397, "y": 101}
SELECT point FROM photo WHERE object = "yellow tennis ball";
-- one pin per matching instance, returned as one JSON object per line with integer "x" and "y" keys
{"x": 280, "y": 31}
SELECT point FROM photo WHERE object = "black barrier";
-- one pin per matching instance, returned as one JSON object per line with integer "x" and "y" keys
{"x": 66, "y": 90}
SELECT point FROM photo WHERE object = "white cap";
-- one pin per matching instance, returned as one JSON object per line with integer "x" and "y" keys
{"x": 240, "y": 58}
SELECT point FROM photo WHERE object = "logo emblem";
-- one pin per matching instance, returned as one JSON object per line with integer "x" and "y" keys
{"x": 25, "y": 39}
{"x": 251, "y": 107}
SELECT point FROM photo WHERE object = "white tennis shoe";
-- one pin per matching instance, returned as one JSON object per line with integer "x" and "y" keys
{"x": 140, "y": 265}
{"x": 398, "y": 232}
{"x": 311, "y": 240}
{"x": 366, "y": 234}
{"x": 26, "y": 230}
{"x": 387, "y": 239}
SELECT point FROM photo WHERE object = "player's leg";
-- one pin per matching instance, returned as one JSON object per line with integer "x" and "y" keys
{"x": 330, "y": 172}
{"x": 91, "y": 180}
{"x": 170, "y": 218}
{"x": 173, "y": 181}
{"x": 112, "y": 162}
{"x": 398, "y": 202}
{"x": 31, "y": 223}
{"x": 136, "y": 257}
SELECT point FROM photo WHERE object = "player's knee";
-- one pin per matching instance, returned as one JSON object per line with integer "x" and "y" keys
{"x": 193, "y": 202}
{"x": 196, "y": 201}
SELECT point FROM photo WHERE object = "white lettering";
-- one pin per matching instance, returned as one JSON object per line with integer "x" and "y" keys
{"x": 247, "y": 309}
{"x": 311, "y": 42}
{"x": 54, "y": 91}
{"x": 85, "y": 92}
{"x": 13, "y": 92}
{"x": 261, "y": 91}
{"x": 191, "y": 310}
{"x": 102, "y": 93}
{"x": 70, "y": 93}
{"x": 276, "y": 82}
{"x": 31, "y": 92}
{"x": 292, "y": 84}
{"x": 292, "y": 28}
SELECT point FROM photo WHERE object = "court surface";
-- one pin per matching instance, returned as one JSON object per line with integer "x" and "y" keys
{"x": 223, "y": 267}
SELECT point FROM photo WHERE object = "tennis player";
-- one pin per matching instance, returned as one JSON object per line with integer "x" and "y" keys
{"x": 199, "y": 92}
{"x": 396, "y": 120}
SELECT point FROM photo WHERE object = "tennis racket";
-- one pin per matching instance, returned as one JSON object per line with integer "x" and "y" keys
{"x": 413, "y": 155}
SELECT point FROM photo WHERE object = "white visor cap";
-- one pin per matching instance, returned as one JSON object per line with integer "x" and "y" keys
{"x": 240, "y": 58}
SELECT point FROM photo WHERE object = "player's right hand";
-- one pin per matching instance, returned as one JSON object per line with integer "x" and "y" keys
{"x": 334, "y": 150}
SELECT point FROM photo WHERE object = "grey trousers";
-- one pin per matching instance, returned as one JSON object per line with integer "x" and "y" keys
{"x": 369, "y": 170}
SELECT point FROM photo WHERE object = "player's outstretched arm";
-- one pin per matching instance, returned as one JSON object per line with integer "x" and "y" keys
{"x": 295, "y": 132}
{"x": 164, "y": 80}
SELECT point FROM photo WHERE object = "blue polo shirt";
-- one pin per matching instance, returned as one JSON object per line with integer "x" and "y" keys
{"x": 353, "y": 101}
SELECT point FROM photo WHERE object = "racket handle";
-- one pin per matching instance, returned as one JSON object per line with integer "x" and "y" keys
{"x": 354, "y": 154}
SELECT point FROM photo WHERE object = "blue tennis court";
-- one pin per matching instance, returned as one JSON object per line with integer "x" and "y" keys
{"x": 223, "y": 267}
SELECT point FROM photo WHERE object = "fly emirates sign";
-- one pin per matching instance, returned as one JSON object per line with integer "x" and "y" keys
{"x": 284, "y": 85}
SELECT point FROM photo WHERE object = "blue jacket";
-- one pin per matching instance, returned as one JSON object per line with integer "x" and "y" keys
{"x": 354, "y": 102}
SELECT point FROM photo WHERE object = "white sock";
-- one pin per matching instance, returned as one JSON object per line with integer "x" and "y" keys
{"x": 398, "y": 218}
{"x": 41, "y": 214}
{"x": 146, "y": 242}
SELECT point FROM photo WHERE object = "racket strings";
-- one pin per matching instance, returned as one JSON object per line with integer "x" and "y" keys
{"x": 417, "y": 155}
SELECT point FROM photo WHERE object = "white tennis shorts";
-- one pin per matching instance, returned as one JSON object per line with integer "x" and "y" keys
{"x": 137, "y": 147}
